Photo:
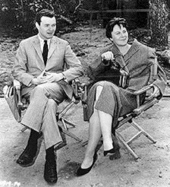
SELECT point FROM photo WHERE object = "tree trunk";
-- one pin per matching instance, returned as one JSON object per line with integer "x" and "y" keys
{"x": 158, "y": 22}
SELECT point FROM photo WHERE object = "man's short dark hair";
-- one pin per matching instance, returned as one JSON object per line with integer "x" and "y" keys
{"x": 112, "y": 23}
{"x": 44, "y": 12}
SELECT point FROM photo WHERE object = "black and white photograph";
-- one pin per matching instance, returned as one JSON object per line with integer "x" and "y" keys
{"x": 85, "y": 93}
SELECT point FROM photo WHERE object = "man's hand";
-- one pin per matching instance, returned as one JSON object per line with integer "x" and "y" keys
{"x": 54, "y": 77}
{"x": 107, "y": 56}
{"x": 39, "y": 80}
{"x": 47, "y": 77}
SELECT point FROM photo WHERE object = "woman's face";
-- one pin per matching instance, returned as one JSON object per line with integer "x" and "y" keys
{"x": 119, "y": 35}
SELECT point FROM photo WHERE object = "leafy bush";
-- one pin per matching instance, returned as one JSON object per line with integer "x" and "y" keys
{"x": 19, "y": 14}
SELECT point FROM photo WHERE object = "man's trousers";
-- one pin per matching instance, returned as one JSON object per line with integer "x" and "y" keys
{"x": 41, "y": 112}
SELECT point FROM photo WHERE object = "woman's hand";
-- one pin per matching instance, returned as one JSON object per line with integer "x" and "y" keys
{"x": 108, "y": 56}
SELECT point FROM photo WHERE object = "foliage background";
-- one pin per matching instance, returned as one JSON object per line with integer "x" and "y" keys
{"x": 19, "y": 14}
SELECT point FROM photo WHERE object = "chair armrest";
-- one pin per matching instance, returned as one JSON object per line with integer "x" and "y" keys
{"x": 83, "y": 87}
{"x": 154, "y": 93}
{"x": 123, "y": 81}
{"x": 80, "y": 89}
{"x": 75, "y": 85}
{"x": 144, "y": 107}
{"x": 17, "y": 86}
{"x": 144, "y": 89}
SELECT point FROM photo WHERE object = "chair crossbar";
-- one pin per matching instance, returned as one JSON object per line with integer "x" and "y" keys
{"x": 24, "y": 129}
{"x": 121, "y": 139}
{"x": 134, "y": 137}
{"x": 143, "y": 132}
{"x": 62, "y": 113}
{"x": 65, "y": 129}
{"x": 138, "y": 134}
{"x": 145, "y": 106}
{"x": 124, "y": 120}
{"x": 71, "y": 135}
{"x": 64, "y": 123}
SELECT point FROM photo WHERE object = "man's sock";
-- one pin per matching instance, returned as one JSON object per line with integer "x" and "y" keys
{"x": 50, "y": 154}
{"x": 34, "y": 135}
{"x": 32, "y": 141}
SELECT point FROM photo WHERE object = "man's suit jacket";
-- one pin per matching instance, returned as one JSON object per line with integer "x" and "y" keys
{"x": 29, "y": 62}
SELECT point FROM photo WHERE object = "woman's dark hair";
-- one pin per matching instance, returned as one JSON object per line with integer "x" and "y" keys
{"x": 112, "y": 23}
{"x": 44, "y": 12}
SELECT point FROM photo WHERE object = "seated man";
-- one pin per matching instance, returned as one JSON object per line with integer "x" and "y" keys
{"x": 39, "y": 66}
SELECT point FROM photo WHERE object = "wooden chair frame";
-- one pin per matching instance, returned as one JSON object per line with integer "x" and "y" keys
{"x": 130, "y": 118}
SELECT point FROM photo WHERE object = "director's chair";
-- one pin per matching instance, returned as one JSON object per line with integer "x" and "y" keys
{"x": 21, "y": 105}
{"x": 130, "y": 118}
{"x": 150, "y": 99}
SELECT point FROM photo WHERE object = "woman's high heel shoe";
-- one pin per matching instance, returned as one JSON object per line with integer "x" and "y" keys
{"x": 110, "y": 151}
{"x": 113, "y": 153}
{"x": 82, "y": 171}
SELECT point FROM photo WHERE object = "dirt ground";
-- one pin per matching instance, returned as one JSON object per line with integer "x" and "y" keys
{"x": 151, "y": 170}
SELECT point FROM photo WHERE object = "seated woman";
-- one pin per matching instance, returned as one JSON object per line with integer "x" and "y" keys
{"x": 106, "y": 100}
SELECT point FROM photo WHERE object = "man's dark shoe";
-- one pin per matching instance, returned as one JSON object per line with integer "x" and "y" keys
{"x": 29, "y": 155}
{"x": 50, "y": 172}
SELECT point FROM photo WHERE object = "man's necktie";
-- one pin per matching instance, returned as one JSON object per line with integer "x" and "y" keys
{"x": 45, "y": 52}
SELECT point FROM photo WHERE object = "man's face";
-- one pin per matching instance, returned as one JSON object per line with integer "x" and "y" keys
{"x": 119, "y": 35}
{"x": 47, "y": 27}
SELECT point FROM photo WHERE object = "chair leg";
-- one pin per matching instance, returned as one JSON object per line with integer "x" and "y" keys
{"x": 71, "y": 135}
{"x": 65, "y": 130}
{"x": 64, "y": 121}
{"x": 121, "y": 139}
{"x": 24, "y": 129}
{"x": 142, "y": 131}
{"x": 84, "y": 143}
